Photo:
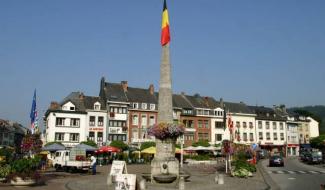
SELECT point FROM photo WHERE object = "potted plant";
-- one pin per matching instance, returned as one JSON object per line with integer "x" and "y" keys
{"x": 165, "y": 131}
{"x": 24, "y": 171}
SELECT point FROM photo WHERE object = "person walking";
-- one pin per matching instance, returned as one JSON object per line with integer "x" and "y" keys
{"x": 93, "y": 164}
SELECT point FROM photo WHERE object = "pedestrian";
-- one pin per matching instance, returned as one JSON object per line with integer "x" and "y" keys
{"x": 93, "y": 164}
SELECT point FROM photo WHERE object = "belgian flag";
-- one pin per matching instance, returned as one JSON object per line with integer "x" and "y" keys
{"x": 165, "y": 34}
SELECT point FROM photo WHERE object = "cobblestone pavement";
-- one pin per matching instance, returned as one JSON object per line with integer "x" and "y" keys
{"x": 202, "y": 177}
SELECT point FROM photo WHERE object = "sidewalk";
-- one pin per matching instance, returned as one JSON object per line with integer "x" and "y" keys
{"x": 202, "y": 178}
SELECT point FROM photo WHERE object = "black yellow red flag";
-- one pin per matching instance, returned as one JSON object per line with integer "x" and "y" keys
{"x": 165, "y": 34}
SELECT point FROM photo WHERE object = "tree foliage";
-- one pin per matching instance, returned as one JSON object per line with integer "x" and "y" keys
{"x": 119, "y": 144}
{"x": 147, "y": 145}
{"x": 318, "y": 142}
{"x": 90, "y": 143}
{"x": 204, "y": 143}
{"x": 53, "y": 142}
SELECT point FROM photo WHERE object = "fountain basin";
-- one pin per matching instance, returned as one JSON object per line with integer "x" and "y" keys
{"x": 146, "y": 176}
{"x": 165, "y": 178}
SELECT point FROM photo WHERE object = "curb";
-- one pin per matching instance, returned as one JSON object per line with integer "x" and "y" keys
{"x": 267, "y": 178}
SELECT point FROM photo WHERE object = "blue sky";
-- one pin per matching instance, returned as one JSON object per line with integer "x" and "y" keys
{"x": 256, "y": 51}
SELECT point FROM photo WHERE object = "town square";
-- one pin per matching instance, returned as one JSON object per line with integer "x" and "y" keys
{"x": 150, "y": 95}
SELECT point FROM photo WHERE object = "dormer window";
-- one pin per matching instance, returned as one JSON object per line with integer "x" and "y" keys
{"x": 97, "y": 106}
{"x": 135, "y": 105}
{"x": 71, "y": 108}
{"x": 144, "y": 106}
{"x": 152, "y": 106}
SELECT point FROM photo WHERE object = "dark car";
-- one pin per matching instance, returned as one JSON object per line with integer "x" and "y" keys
{"x": 276, "y": 161}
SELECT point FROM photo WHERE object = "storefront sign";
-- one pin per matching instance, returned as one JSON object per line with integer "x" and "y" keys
{"x": 125, "y": 181}
{"x": 96, "y": 129}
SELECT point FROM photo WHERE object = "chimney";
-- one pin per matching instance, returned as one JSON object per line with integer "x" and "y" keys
{"x": 124, "y": 85}
{"x": 221, "y": 103}
{"x": 151, "y": 89}
{"x": 54, "y": 106}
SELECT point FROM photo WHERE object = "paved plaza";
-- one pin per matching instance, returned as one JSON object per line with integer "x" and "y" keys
{"x": 202, "y": 177}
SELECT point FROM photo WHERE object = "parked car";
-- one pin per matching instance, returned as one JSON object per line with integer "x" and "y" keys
{"x": 315, "y": 157}
{"x": 276, "y": 160}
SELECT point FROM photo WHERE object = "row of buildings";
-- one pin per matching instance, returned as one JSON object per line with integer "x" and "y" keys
{"x": 11, "y": 133}
{"x": 125, "y": 113}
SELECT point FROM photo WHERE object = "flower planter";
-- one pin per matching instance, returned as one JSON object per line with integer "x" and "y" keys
{"x": 18, "y": 181}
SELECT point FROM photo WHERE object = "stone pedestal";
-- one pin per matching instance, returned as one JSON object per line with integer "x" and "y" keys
{"x": 165, "y": 161}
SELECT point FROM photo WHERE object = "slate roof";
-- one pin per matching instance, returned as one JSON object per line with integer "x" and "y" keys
{"x": 180, "y": 102}
{"x": 11, "y": 127}
{"x": 115, "y": 92}
{"x": 265, "y": 113}
{"x": 198, "y": 101}
{"x": 238, "y": 108}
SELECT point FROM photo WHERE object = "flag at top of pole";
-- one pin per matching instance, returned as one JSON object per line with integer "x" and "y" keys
{"x": 33, "y": 115}
{"x": 165, "y": 34}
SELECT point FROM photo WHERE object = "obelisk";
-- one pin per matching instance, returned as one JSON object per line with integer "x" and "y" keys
{"x": 164, "y": 162}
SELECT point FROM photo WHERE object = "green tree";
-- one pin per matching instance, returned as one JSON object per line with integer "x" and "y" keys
{"x": 204, "y": 143}
{"x": 318, "y": 142}
{"x": 147, "y": 145}
{"x": 90, "y": 143}
{"x": 119, "y": 144}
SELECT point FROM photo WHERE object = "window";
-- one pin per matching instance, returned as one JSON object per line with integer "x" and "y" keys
{"x": 200, "y": 123}
{"x": 152, "y": 120}
{"x": 189, "y": 137}
{"x": 274, "y": 125}
{"x": 187, "y": 112}
{"x": 245, "y": 136}
{"x": 218, "y": 137}
{"x": 188, "y": 123}
{"x": 260, "y": 124}
{"x": 251, "y": 125}
{"x": 267, "y": 125}
{"x": 117, "y": 123}
{"x": 199, "y": 112}
{"x": 206, "y": 124}
{"x": 152, "y": 106}
{"x": 219, "y": 125}
{"x": 275, "y": 136}
{"x": 74, "y": 122}
{"x": 92, "y": 120}
{"x": 135, "y": 120}
{"x": 237, "y": 124}
{"x": 144, "y": 106}
{"x": 59, "y": 136}
{"x": 74, "y": 137}
{"x": 72, "y": 108}
{"x": 92, "y": 136}
{"x": 99, "y": 136}
{"x": 244, "y": 124}
{"x": 59, "y": 121}
{"x": 97, "y": 106}
{"x": 281, "y": 126}
{"x": 204, "y": 136}
{"x": 251, "y": 136}
{"x": 268, "y": 137}
{"x": 282, "y": 136}
{"x": 135, "y": 105}
{"x": 288, "y": 138}
{"x": 206, "y": 112}
{"x": 100, "y": 121}
{"x": 143, "y": 120}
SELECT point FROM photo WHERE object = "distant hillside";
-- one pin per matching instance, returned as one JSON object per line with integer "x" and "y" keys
{"x": 317, "y": 111}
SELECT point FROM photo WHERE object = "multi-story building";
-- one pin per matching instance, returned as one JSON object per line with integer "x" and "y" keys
{"x": 11, "y": 134}
{"x": 77, "y": 118}
{"x": 270, "y": 129}
{"x": 243, "y": 119}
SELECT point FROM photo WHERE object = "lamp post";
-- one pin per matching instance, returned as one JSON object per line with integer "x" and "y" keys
{"x": 182, "y": 148}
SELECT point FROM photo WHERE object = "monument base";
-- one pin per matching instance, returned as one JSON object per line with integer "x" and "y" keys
{"x": 168, "y": 167}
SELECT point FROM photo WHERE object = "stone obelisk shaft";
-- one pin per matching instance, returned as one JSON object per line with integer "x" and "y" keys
{"x": 165, "y": 102}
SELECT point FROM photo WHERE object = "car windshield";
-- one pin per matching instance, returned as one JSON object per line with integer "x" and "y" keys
{"x": 276, "y": 157}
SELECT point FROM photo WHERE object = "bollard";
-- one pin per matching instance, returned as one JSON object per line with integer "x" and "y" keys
{"x": 143, "y": 184}
{"x": 220, "y": 179}
{"x": 181, "y": 184}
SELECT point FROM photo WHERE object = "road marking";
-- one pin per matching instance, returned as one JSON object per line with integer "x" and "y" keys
{"x": 269, "y": 172}
{"x": 313, "y": 172}
{"x": 302, "y": 172}
{"x": 322, "y": 171}
{"x": 291, "y": 172}
{"x": 291, "y": 178}
{"x": 280, "y": 172}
